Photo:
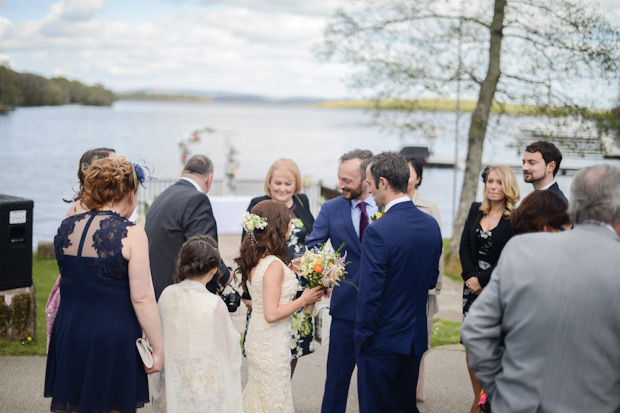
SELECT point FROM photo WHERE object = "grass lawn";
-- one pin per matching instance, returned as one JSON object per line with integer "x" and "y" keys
{"x": 44, "y": 274}
{"x": 445, "y": 332}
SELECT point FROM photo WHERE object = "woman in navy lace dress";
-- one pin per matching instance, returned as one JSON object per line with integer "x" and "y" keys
{"x": 107, "y": 300}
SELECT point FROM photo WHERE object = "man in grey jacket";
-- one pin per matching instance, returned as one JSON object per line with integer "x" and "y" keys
{"x": 544, "y": 334}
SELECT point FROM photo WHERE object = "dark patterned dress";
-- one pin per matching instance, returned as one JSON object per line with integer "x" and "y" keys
{"x": 484, "y": 241}
{"x": 303, "y": 329}
{"x": 93, "y": 364}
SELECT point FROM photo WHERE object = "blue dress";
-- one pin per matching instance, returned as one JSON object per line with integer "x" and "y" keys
{"x": 92, "y": 363}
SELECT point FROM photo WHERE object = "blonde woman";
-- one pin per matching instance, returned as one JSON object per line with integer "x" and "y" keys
{"x": 283, "y": 184}
{"x": 485, "y": 233}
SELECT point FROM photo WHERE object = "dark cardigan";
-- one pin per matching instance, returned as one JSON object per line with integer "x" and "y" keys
{"x": 302, "y": 210}
{"x": 468, "y": 250}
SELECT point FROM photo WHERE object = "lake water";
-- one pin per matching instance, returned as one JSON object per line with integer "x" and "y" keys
{"x": 40, "y": 147}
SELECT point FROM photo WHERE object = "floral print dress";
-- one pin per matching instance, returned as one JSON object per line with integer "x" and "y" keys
{"x": 484, "y": 240}
{"x": 303, "y": 329}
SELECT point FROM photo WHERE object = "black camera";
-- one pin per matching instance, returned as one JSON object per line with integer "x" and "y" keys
{"x": 232, "y": 300}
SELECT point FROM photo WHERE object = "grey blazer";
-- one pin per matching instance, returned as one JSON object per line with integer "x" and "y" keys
{"x": 177, "y": 214}
{"x": 544, "y": 335}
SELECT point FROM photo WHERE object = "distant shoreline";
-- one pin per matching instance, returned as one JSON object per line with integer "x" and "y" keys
{"x": 405, "y": 105}
{"x": 447, "y": 105}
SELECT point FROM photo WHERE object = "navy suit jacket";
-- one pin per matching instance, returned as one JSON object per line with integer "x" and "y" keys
{"x": 556, "y": 188}
{"x": 334, "y": 222}
{"x": 400, "y": 262}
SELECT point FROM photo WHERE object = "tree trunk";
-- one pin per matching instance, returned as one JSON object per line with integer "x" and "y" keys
{"x": 477, "y": 133}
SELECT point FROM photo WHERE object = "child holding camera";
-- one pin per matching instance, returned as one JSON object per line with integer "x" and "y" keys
{"x": 202, "y": 358}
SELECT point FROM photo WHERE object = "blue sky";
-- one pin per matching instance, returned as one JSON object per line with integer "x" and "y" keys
{"x": 247, "y": 46}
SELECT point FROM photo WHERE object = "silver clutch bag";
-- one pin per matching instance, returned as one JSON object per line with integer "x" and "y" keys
{"x": 145, "y": 350}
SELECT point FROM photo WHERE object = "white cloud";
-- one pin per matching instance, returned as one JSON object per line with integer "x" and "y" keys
{"x": 78, "y": 10}
{"x": 236, "y": 49}
{"x": 312, "y": 7}
{"x": 5, "y": 60}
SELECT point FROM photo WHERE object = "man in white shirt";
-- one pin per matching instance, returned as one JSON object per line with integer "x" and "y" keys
{"x": 344, "y": 220}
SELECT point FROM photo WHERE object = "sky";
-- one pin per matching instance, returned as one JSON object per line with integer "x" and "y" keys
{"x": 262, "y": 47}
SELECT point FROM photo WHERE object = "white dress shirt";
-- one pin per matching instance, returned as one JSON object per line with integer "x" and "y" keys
{"x": 356, "y": 213}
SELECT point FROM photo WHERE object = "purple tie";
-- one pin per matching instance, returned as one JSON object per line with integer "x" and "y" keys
{"x": 363, "y": 218}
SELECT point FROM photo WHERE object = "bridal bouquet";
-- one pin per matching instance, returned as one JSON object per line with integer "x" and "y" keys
{"x": 322, "y": 266}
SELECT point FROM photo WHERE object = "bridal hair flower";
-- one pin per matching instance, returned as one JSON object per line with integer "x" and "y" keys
{"x": 251, "y": 222}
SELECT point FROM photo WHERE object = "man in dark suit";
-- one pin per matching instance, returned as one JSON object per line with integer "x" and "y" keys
{"x": 177, "y": 214}
{"x": 343, "y": 220}
{"x": 541, "y": 161}
{"x": 400, "y": 263}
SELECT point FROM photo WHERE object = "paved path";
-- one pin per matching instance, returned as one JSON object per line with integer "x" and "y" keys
{"x": 447, "y": 384}
{"x": 446, "y": 381}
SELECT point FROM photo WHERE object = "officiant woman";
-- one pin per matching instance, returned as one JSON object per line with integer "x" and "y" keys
{"x": 283, "y": 184}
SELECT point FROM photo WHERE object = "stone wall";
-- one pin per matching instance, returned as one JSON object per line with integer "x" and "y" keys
{"x": 18, "y": 309}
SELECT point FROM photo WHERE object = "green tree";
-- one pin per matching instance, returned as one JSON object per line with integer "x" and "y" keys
{"x": 10, "y": 94}
{"x": 518, "y": 51}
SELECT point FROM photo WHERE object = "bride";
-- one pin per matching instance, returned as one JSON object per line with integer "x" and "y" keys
{"x": 262, "y": 263}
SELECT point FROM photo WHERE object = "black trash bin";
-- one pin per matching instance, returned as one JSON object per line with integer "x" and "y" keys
{"x": 15, "y": 242}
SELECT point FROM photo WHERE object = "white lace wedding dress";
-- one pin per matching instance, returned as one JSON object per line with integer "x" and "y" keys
{"x": 267, "y": 347}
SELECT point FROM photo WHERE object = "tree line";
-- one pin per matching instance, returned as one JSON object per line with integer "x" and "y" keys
{"x": 27, "y": 89}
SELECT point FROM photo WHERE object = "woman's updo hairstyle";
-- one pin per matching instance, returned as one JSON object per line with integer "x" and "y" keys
{"x": 108, "y": 181}
{"x": 268, "y": 241}
{"x": 86, "y": 160}
{"x": 198, "y": 256}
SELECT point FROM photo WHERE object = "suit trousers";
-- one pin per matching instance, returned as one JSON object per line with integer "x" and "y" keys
{"x": 340, "y": 365}
{"x": 386, "y": 381}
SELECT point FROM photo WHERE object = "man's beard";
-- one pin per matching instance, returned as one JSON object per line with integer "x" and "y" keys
{"x": 355, "y": 193}
{"x": 531, "y": 179}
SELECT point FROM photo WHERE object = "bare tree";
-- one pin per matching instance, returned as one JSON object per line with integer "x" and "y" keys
{"x": 518, "y": 51}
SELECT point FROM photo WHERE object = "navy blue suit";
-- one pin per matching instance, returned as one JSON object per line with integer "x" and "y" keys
{"x": 400, "y": 262}
{"x": 556, "y": 188}
{"x": 334, "y": 222}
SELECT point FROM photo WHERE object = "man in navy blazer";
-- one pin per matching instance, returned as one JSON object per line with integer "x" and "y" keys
{"x": 400, "y": 263}
{"x": 541, "y": 161}
{"x": 340, "y": 221}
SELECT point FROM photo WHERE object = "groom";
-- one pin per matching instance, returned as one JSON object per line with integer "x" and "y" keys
{"x": 400, "y": 263}
{"x": 343, "y": 220}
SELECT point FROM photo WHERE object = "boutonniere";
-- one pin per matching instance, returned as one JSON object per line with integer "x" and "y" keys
{"x": 378, "y": 214}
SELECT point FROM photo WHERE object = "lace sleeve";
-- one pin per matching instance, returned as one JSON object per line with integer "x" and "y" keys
{"x": 61, "y": 240}
{"x": 108, "y": 244}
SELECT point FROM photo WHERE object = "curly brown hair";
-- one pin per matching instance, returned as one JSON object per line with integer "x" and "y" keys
{"x": 268, "y": 241}
{"x": 198, "y": 256}
{"x": 107, "y": 181}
